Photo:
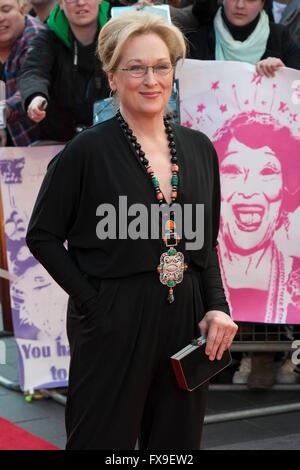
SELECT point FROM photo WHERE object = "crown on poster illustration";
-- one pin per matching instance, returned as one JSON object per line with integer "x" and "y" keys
{"x": 285, "y": 112}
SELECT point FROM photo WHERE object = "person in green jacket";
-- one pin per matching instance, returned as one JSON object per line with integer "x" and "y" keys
{"x": 61, "y": 77}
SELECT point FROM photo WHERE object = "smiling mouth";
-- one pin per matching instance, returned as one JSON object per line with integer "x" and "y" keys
{"x": 151, "y": 95}
{"x": 248, "y": 218}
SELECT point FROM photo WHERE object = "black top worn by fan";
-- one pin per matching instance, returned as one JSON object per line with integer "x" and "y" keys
{"x": 71, "y": 79}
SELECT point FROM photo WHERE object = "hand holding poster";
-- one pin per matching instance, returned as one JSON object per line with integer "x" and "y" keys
{"x": 254, "y": 123}
{"x": 162, "y": 10}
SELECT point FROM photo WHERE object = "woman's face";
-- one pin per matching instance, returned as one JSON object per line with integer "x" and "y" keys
{"x": 251, "y": 186}
{"x": 147, "y": 95}
{"x": 242, "y": 12}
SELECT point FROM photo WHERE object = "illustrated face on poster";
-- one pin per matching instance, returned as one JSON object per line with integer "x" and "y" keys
{"x": 41, "y": 305}
{"x": 255, "y": 128}
{"x": 37, "y": 301}
{"x": 251, "y": 181}
{"x": 260, "y": 197}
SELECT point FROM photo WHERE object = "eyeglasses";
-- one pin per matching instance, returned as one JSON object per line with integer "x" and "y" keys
{"x": 139, "y": 70}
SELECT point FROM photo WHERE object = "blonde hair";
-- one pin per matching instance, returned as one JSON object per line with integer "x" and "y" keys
{"x": 118, "y": 30}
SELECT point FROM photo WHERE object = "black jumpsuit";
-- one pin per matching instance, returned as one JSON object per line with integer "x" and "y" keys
{"x": 121, "y": 329}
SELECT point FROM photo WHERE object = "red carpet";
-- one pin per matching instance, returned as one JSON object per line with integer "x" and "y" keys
{"x": 14, "y": 438}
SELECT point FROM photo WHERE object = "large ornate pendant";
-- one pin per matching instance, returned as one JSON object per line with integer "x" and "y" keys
{"x": 171, "y": 269}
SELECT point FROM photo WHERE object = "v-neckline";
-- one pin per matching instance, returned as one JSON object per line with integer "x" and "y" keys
{"x": 180, "y": 164}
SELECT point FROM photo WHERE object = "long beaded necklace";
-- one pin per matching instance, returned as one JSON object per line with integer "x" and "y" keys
{"x": 172, "y": 266}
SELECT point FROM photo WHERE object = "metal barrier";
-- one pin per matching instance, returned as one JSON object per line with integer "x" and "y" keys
{"x": 259, "y": 338}
{"x": 254, "y": 337}
{"x": 258, "y": 332}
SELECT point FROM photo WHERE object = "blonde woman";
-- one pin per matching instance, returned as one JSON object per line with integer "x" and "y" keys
{"x": 125, "y": 319}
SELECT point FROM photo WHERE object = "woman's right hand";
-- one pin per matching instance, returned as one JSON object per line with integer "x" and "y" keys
{"x": 36, "y": 110}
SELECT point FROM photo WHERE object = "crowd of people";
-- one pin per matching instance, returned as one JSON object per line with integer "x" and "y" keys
{"x": 53, "y": 76}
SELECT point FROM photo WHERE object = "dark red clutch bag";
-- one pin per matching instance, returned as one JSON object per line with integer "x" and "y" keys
{"x": 192, "y": 366}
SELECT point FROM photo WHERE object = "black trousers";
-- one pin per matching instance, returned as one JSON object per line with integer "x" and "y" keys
{"x": 121, "y": 383}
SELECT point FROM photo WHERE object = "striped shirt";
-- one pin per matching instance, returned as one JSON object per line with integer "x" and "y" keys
{"x": 22, "y": 130}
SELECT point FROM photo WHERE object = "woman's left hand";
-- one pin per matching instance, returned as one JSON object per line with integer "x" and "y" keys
{"x": 269, "y": 66}
{"x": 220, "y": 330}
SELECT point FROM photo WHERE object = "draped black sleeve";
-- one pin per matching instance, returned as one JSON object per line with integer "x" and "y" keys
{"x": 51, "y": 220}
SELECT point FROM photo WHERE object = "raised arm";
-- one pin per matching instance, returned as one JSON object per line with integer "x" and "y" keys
{"x": 34, "y": 78}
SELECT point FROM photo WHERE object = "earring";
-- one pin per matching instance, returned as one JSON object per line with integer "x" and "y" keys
{"x": 172, "y": 108}
{"x": 284, "y": 221}
{"x": 114, "y": 101}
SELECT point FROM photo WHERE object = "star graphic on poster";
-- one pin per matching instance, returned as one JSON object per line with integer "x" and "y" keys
{"x": 201, "y": 107}
{"x": 283, "y": 107}
{"x": 293, "y": 117}
{"x": 187, "y": 124}
{"x": 223, "y": 108}
{"x": 256, "y": 78}
{"x": 263, "y": 103}
{"x": 215, "y": 85}
{"x": 246, "y": 102}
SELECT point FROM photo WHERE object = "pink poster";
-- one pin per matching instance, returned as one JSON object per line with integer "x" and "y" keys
{"x": 254, "y": 123}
